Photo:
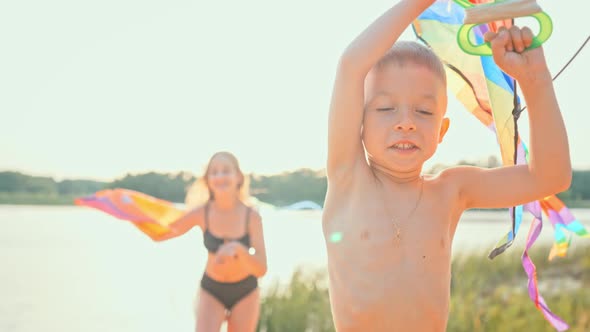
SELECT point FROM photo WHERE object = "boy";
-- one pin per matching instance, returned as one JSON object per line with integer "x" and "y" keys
{"x": 389, "y": 229}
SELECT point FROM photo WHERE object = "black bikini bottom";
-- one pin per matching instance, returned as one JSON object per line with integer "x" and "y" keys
{"x": 229, "y": 293}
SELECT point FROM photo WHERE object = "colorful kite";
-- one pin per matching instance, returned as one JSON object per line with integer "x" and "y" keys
{"x": 151, "y": 215}
{"x": 491, "y": 96}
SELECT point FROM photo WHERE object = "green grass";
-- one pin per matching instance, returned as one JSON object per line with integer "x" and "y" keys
{"x": 492, "y": 295}
{"x": 301, "y": 305}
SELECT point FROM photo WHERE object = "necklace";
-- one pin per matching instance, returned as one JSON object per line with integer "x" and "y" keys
{"x": 394, "y": 221}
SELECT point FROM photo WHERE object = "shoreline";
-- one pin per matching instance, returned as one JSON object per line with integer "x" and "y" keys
{"x": 69, "y": 201}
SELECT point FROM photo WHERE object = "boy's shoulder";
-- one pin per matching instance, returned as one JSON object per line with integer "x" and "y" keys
{"x": 455, "y": 173}
{"x": 452, "y": 180}
{"x": 448, "y": 176}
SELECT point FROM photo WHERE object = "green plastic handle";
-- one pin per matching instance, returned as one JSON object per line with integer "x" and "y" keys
{"x": 464, "y": 3}
{"x": 546, "y": 29}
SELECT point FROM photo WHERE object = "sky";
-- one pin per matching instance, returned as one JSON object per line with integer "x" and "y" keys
{"x": 98, "y": 89}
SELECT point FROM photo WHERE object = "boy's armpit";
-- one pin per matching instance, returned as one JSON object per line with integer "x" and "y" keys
{"x": 343, "y": 177}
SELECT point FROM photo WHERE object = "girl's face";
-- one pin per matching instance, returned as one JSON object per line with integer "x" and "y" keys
{"x": 223, "y": 177}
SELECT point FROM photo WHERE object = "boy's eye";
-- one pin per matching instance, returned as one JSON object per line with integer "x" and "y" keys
{"x": 385, "y": 109}
{"x": 425, "y": 112}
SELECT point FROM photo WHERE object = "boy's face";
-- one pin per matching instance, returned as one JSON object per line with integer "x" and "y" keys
{"x": 404, "y": 115}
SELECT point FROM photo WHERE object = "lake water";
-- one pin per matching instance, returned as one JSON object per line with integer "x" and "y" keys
{"x": 73, "y": 269}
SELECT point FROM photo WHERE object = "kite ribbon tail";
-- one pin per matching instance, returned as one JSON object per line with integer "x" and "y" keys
{"x": 531, "y": 271}
{"x": 562, "y": 220}
{"x": 508, "y": 239}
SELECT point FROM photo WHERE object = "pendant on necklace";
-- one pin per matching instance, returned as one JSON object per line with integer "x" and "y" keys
{"x": 365, "y": 235}
{"x": 397, "y": 232}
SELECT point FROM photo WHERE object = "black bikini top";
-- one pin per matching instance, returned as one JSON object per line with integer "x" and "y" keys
{"x": 212, "y": 242}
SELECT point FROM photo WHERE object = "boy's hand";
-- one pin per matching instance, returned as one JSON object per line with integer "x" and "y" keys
{"x": 509, "y": 48}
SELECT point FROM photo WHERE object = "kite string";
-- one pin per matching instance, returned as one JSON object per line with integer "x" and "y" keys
{"x": 569, "y": 62}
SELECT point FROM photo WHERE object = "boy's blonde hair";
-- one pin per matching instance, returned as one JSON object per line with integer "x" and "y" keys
{"x": 408, "y": 52}
{"x": 199, "y": 192}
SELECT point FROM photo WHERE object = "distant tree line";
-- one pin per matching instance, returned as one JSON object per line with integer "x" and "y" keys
{"x": 15, "y": 182}
{"x": 171, "y": 187}
{"x": 279, "y": 189}
{"x": 290, "y": 187}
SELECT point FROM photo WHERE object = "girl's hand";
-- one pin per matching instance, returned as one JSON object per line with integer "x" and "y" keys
{"x": 230, "y": 250}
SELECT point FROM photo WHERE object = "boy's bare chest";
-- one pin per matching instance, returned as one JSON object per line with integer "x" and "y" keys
{"x": 375, "y": 264}
{"x": 365, "y": 224}
{"x": 384, "y": 257}
{"x": 373, "y": 241}
{"x": 364, "y": 241}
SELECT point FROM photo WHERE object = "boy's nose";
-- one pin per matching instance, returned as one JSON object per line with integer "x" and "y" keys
{"x": 405, "y": 123}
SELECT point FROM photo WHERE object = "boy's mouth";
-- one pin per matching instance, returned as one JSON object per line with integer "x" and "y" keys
{"x": 404, "y": 146}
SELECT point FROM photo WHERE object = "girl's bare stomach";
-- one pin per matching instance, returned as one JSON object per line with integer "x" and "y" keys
{"x": 230, "y": 270}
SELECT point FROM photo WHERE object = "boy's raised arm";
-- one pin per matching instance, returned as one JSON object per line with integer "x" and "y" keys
{"x": 346, "y": 109}
{"x": 549, "y": 171}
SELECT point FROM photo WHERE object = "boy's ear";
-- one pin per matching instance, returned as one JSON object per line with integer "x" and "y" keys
{"x": 444, "y": 127}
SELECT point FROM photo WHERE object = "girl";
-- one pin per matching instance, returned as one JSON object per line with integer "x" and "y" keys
{"x": 233, "y": 237}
